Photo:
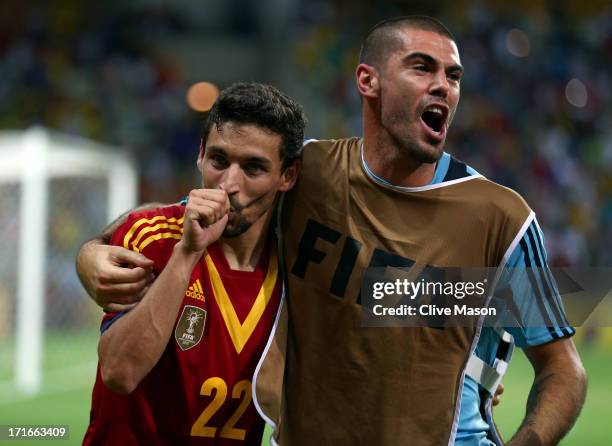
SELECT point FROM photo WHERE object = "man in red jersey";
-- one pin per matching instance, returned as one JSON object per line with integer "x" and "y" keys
{"x": 390, "y": 199}
{"x": 177, "y": 368}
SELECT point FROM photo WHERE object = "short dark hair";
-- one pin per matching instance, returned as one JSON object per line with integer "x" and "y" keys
{"x": 383, "y": 38}
{"x": 264, "y": 106}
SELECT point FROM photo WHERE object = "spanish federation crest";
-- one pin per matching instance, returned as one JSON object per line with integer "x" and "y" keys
{"x": 190, "y": 327}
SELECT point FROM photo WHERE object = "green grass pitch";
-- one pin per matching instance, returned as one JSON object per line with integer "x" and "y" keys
{"x": 70, "y": 366}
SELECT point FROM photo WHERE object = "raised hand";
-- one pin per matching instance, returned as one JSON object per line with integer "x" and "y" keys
{"x": 206, "y": 216}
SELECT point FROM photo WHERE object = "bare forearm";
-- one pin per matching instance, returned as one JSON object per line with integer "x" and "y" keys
{"x": 133, "y": 345}
{"x": 82, "y": 270}
{"x": 554, "y": 403}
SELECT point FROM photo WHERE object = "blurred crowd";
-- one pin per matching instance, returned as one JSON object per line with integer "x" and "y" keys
{"x": 534, "y": 115}
{"x": 89, "y": 70}
{"x": 535, "y": 111}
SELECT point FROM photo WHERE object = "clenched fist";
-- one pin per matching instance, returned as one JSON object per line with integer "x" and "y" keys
{"x": 206, "y": 216}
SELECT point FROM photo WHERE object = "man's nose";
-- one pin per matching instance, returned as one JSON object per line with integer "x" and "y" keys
{"x": 230, "y": 182}
{"x": 439, "y": 85}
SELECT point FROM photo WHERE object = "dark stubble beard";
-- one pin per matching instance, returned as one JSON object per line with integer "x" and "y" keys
{"x": 408, "y": 144}
{"x": 240, "y": 224}
{"x": 417, "y": 153}
{"x": 239, "y": 227}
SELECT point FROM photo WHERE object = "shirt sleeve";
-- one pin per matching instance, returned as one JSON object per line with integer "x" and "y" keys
{"x": 109, "y": 319}
{"x": 152, "y": 233}
{"x": 528, "y": 289}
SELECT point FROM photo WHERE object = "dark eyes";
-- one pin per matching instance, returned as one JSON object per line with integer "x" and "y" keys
{"x": 454, "y": 76}
{"x": 220, "y": 162}
{"x": 252, "y": 168}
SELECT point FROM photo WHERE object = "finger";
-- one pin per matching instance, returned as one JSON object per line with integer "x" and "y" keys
{"x": 199, "y": 202}
{"x": 226, "y": 204}
{"x": 142, "y": 293}
{"x": 122, "y": 299}
{"x": 207, "y": 212}
{"x": 117, "y": 308}
{"x": 218, "y": 227}
{"x": 122, "y": 256}
{"x": 192, "y": 221}
{"x": 123, "y": 289}
{"x": 219, "y": 200}
{"x": 119, "y": 274}
{"x": 211, "y": 213}
{"x": 496, "y": 400}
{"x": 500, "y": 389}
{"x": 216, "y": 195}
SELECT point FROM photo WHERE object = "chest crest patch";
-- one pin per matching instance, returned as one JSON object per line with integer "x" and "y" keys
{"x": 190, "y": 327}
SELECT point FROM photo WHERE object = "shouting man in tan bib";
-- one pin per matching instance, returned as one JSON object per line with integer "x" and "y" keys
{"x": 394, "y": 198}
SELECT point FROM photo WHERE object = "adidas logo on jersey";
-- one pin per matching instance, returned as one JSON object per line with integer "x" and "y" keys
{"x": 195, "y": 291}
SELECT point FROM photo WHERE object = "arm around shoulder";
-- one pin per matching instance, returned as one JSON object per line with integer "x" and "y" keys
{"x": 132, "y": 346}
{"x": 114, "y": 277}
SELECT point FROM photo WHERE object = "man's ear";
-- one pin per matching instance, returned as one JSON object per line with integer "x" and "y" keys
{"x": 367, "y": 80}
{"x": 200, "y": 155}
{"x": 290, "y": 176}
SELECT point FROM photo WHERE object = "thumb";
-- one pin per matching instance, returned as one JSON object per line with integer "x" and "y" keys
{"x": 222, "y": 223}
{"x": 124, "y": 256}
{"x": 216, "y": 229}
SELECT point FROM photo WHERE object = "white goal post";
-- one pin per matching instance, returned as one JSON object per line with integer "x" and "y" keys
{"x": 31, "y": 159}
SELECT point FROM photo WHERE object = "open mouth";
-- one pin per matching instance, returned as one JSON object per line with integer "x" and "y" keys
{"x": 434, "y": 116}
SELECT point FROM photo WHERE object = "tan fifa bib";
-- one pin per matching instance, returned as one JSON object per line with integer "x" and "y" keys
{"x": 328, "y": 380}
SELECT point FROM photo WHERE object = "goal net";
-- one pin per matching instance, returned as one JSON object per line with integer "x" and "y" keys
{"x": 56, "y": 191}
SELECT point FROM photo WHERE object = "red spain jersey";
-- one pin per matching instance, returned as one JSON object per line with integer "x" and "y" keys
{"x": 199, "y": 393}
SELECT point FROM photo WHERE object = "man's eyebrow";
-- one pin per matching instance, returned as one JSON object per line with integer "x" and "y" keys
{"x": 215, "y": 150}
{"x": 430, "y": 60}
{"x": 455, "y": 68}
{"x": 418, "y": 55}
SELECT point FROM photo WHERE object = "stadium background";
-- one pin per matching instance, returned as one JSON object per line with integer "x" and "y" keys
{"x": 534, "y": 115}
